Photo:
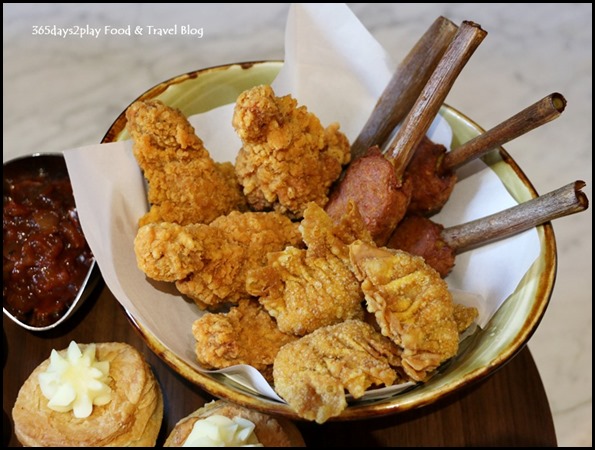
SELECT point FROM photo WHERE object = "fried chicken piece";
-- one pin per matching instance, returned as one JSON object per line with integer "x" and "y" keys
{"x": 322, "y": 235}
{"x": 180, "y": 173}
{"x": 464, "y": 316}
{"x": 287, "y": 158}
{"x": 209, "y": 263}
{"x": 260, "y": 230}
{"x": 203, "y": 261}
{"x": 247, "y": 334}
{"x": 305, "y": 292}
{"x": 313, "y": 373}
{"x": 412, "y": 305}
{"x": 308, "y": 289}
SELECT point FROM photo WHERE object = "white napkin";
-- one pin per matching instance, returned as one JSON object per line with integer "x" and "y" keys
{"x": 323, "y": 72}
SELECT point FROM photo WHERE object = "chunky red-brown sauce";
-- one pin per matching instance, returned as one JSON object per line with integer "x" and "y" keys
{"x": 45, "y": 256}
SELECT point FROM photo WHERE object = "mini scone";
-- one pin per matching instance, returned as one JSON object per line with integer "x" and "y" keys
{"x": 211, "y": 426}
{"x": 109, "y": 383}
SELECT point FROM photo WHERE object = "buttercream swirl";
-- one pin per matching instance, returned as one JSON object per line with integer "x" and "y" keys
{"x": 76, "y": 382}
{"x": 221, "y": 431}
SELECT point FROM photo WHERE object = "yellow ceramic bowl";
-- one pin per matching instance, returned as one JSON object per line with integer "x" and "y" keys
{"x": 480, "y": 355}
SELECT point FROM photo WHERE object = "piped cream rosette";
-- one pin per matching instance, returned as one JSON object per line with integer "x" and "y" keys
{"x": 224, "y": 424}
{"x": 76, "y": 381}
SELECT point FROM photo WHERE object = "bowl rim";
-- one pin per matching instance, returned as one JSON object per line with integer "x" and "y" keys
{"x": 119, "y": 123}
{"x": 388, "y": 406}
{"x": 90, "y": 280}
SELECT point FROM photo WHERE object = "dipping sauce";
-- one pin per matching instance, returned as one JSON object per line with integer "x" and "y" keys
{"x": 46, "y": 258}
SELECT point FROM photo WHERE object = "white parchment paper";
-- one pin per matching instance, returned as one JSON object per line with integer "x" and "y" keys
{"x": 338, "y": 70}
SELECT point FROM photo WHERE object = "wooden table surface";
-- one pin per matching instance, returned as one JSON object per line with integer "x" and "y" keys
{"x": 510, "y": 408}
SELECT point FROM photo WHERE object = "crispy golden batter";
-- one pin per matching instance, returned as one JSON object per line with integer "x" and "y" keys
{"x": 306, "y": 292}
{"x": 464, "y": 316}
{"x": 131, "y": 418}
{"x": 308, "y": 289}
{"x": 412, "y": 305}
{"x": 260, "y": 230}
{"x": 209, "y": 263}
{"x": 313, "y": 373}
{"x": 287, "y": 159}
{"x": 203, "y": 261}
{"x": 170, "y": 252}
{"x": 247, "y": 334}
{"x": 180, "y": 172}
{"x": 322, "y": 235}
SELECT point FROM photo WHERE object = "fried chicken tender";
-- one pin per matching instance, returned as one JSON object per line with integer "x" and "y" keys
{"x": 203, "y": 261}
{"x": 412, "y": 305}
{"x": 209, "y": 263}
{"x": 305, "y": 292}
{"x": 308, "y": 289}
{"x": 313, "y": 373}
{"x": 247, "y": 334}
{"x": 287, "y": 158}
{"x": 260, "y": 230}
{"x": 179, "y": 170}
